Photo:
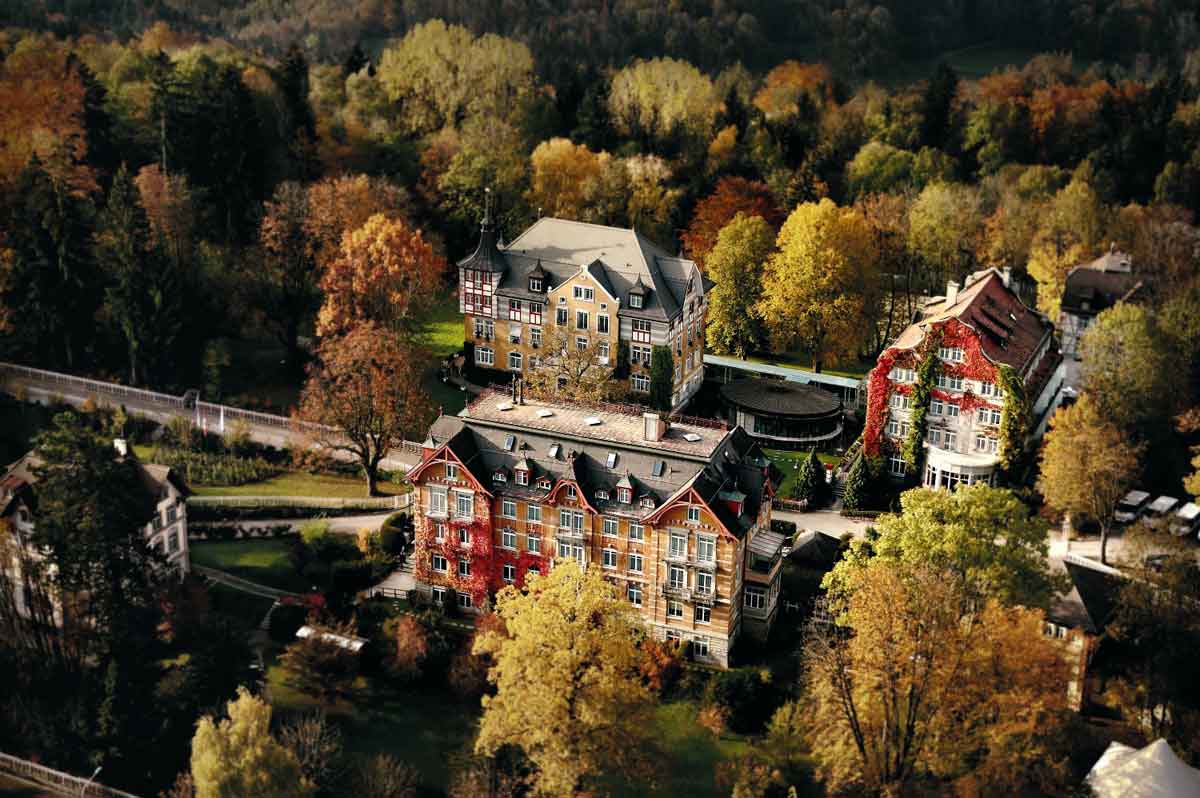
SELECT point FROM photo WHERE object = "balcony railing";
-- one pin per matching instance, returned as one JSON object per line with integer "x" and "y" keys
{"x": 569, "y": 532}
{"x": 689, "y": 594}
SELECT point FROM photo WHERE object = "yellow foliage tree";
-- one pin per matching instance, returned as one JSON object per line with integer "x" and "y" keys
{"x": 238, "y": 758}
{"x": 663, "y": 98}
{"x": 564, "y": 177}
{"x": 927, "y": 683}
{"x": 815, "y": 286}
{"x": 566, "y": 371}
{"x": 1087, "y": 464}
{"x": 567, "y": 689}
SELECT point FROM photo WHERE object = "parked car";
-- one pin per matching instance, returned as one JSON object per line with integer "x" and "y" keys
{"x": 1131, "y": 506}
{"x": 1185, "y": 520}
{"x": 1158, "y": 509}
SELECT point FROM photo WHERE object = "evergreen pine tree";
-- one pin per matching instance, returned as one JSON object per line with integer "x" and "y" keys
{"x": 857, "y": 493}
{"x": 819, "y": 488}
{"x": 662, "y": 375}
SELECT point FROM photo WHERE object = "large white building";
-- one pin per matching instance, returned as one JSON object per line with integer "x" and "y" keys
{"x": 165, "y": 529}
{"x": 976, "y": 330}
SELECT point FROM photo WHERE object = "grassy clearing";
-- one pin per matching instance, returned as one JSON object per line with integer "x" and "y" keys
{"x": 444, "y": 338}
{"x": 421, "y": 726}
{"x": 260, "y": 560}
{"x": 693, "y": 752}
{"x": 788, "y": 462}
{"x": 300, "y": 483}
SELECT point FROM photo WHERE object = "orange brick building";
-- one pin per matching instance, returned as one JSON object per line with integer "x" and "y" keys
{"x": 676, "y": 515}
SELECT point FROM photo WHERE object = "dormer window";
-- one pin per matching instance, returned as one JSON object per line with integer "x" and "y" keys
{"x": 499, "y": 476}
{"x": 535, "y": 285}
{"x": 624, "y": 495}
{"x": 543, "y": 484}
{"x": 648, "y": 502}
{"x": 635, "y": 301}
{"x": 522, "y": 476}
{"x": 571, "y": 492}
{"x": 602, "y": 494}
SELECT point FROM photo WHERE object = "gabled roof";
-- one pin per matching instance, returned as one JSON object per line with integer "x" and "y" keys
{"x": 1009, "y": 331}
{"x": 1090, "y": 602}
{"x": 618, "y": 258}
{"x": 720, "y": 462}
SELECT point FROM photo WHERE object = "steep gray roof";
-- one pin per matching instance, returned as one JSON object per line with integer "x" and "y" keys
{"x": 616, "y": 256}
{"x": 728, "y": 462}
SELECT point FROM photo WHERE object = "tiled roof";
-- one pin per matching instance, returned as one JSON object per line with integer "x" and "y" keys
{"x": 565, "y": 446}
{"x": 1090, "y": 603}
{"x": 1009, "y": 332}
{"x": 1088, "y": 291}
{"x": 616, "y": 256}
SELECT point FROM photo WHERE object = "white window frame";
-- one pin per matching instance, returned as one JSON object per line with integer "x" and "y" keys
{"x": 439, "y": 564}
{"x": 485, "y": 356}
{"x": 897, "y": 466}
{"x": 609, "y": 558}
{"x": 636, "y": 563}
{"x": 677, "y": 577}
{"x": 464, "y": 568}
{"x": 508, "y": 508}
{"x": 634, "y": 594}
{"x": 755, "y": 599}
{"x": 637, "y": 533}
{"x": 705, "y": 583}
{"x": 508, "y": 538}
{"x": 677, "y": 545}
{"x": 706, "y": 548}
{"x": 693, "y": 514}
{"x": 533, "y": 513}
{"x": 674, "y": 609}
{"x": 640, "y": 383}
{"x": 584, "y": 293}
{"x": 533, "y": 542}
{"x": 438, "y": 501}
{"x": 508, "y": 573}
{"x": 703, "y": 614}
{"x": 451, "y": 470}
{"x": 612, "y": 527}
{"x": 459, "y": 498}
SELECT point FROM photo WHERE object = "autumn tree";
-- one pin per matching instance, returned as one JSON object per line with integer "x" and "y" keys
{"x": 922, "y": 679}
{"x": 663, "y": 101}
{"x": 442, "y": 75}
{"x": 984, "y": 537}
{"x": 897, "y": 291}
{"x": 143, "y": 295}
{"x": 366, "y": 388}
{"x": 386, "y": 274}
{"x": 383, "y": 776}
{"x": 285, "y": 288}
{"x": 569, "y": 371}
{"x": 1088, "y": 463}
{"x": 567, "y": 691}
{"x": 735, "y": 265}
{"x": 171, "y": 212}
{"x": 341, "y": 204}
{"x": 944, "y": 224}
{"x": 564, "y": 178}
{"x": 321, "y": 667}
{"x": 789, "y": 85}
{"x": 814, "y": 287}
{"x": 732, "y": 195}
{"x": 237, "y": 757}
{"x": 652, "y": 204}
{"x": 1069, "y": 234}
{"x": 1128, "y": 368}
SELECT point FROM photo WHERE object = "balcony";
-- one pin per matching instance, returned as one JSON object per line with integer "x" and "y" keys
{"x": 569, "y": 533}
{"x": 703, "y": 598}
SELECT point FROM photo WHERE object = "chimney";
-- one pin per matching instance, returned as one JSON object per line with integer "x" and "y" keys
{"x": 122, "y": 446}
{"x": 1006, "y": 276}
{"x": 654, "y": 427}
{"x": 951, "y": 292}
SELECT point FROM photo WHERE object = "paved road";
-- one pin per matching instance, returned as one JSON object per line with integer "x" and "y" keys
{"x": 160, "y": 407}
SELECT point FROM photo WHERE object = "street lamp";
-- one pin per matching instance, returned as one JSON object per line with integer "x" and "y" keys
{"x": 88, "y": 783}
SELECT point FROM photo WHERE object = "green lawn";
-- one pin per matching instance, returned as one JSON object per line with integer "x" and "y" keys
{"x": 693, "y": 752}
{"x": 262, "y": 560}
{"x": 245, "y": 608}
{"x": 787, "y": 462}
{"x": 444, "y": 338}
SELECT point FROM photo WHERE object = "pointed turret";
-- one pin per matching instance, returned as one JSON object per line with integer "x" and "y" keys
{"x": 487, "y": 256}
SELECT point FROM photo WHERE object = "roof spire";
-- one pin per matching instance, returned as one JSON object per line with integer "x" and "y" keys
{"x": 486, "y": 224}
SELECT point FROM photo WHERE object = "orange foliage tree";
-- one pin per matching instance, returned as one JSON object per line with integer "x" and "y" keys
{"x": 779, "y": 97}
{"x": 43, "y": 109}
{"x": 733, "y": 195}
{"x": 365, "y": 393}
{"x": 337, "y": 205}
{"x": 386, "y": 273}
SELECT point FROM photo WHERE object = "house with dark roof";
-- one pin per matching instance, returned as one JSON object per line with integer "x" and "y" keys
{"x": 164, "y": 527}
{"x": 676, "y": 515}
{"x": 1077, "y": 619}
{"x": 1092, "y": 288}
{"x": 975, "y": 332}
{"x": 604, "y": 287}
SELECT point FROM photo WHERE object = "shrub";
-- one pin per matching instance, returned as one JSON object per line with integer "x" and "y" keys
{"x": 319, "y": 667}
{"x": 746, "y": 695}
{"x": 347, "y": 577}
{"x": 411, "y": 646}
{"x": 467, "y": 676}
{"x": 785, "y": 528}
{"x": 661, "y": 663}
{"x": 314, "y": 532}
{"x": 237, "y": 439}
{"x": 214, "y": 468}
{"x": 396, "y": 530}
{"x": 713, "y": 717}
{"x": 285, "y": 620}
{"x": 179, "y": 432}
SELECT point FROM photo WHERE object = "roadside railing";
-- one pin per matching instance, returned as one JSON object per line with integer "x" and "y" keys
{"x": 211, "y": 417}
{"x": 57, "y": 781}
